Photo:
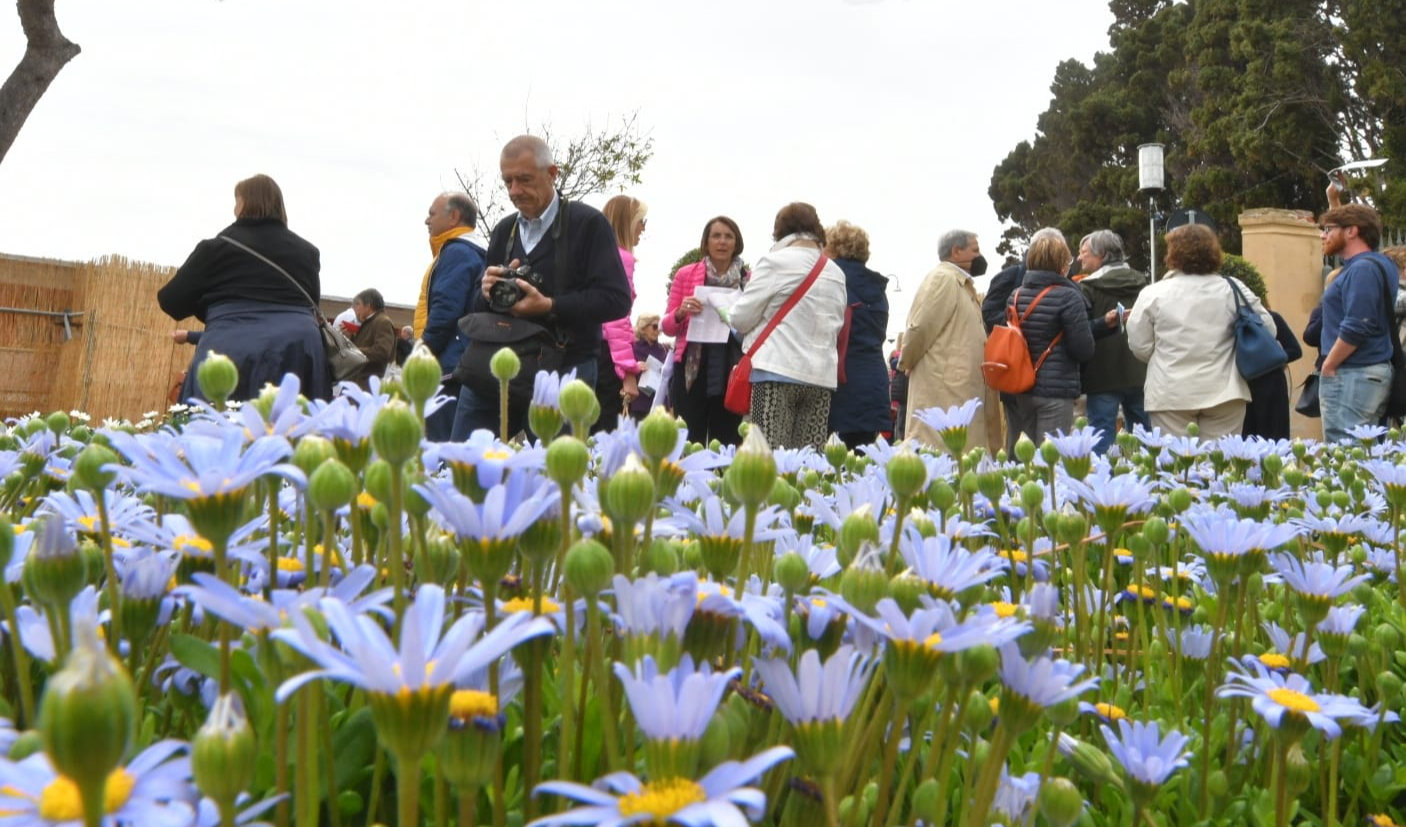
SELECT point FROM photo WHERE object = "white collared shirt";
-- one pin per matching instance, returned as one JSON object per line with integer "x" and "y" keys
{"x": 533, "y": 230}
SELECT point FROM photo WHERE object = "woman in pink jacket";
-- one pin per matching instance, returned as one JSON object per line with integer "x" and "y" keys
{"x": 701, "y": 370}
{"x": 617, "y": 377}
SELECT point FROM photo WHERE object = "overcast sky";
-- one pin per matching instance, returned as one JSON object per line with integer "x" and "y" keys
{"x": 891, "y": 114}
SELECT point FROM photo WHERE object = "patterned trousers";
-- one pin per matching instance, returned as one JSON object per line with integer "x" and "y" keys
{"x": 791, "y": 415}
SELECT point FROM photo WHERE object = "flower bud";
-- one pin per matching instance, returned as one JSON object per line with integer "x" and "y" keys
{"x": 88, "y": 468}
{"x": 588, "y": 568}
{"x": 792, "y": 573}
{"x": 1060, "y": 802}
{"x": 1049, "y": 452}
{"x": 753, "y": 471}
{"x": 58, "y": 422}
{"x": 567, "y": 460}
{"x": 836, "y": 453}
{"x": 576, "y": 399}
{"x": 437, "y": 562}
{"x": 55, "y": 570}
{"x": 858, "y": 529}
{"x": 311, "y": 452}
{"x": 396, "y": 433}
{"x": 539, "y": 541}
{"x": 784, "y": 495}
{"x": 969, "y": 484}
{"x": 863, "y": 587}
{"x": 224, "y": 752}
{"x": 1155, "y": 531}
{"x": 545, "y": 421}
{"x": 1032, "y": 495}
{"x": 1218, "y": 784}
{"x": 1090, "y": 761}
{"x": 942, "y": 495}
{"x": 1063, "y": 713}
{"x": 26, "y": 744}
{"x": 658, "y": 435}
{"x": 905, "y": 589}
{"x": 1299, "y": 772}
{"x": 7, "y": 543}
{"x": 979, "y": 714}
{"x": 630, "y": 496}
{"x": 977, "y": 664}
{"x": 1180, "y": 500}
{"x": 421, "y": 375}
{"x": 925, "y": 801}
{"x": 88, "y": 716}
{"x": 906, "y": 473}
{"x": 505, "y": 365}
{"x": 331, "y": 486}
{"x": 378, "y": 480}
{"x": 661, "y": 558}
{"x": 217, "y": 377}
{"x": 991, "y": 484}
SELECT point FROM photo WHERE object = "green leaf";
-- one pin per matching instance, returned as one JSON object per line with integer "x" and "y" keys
{"x": 354, "y": 744}
{"x": 196, "y": 655}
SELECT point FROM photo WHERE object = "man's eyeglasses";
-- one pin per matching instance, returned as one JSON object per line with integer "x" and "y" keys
{"x": 1328, "y": 228}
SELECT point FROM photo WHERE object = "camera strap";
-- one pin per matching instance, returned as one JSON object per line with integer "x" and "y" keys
{"x": 560, "y": 257}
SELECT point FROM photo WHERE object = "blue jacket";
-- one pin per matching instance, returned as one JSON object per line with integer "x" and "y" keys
{"x": 1355, "y": 310}
{"x": 862, "y": 403}
{"x": 457, "y": 275}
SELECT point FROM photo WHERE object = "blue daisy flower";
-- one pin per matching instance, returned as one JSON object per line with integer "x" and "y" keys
{"x": 153, "y": 789}
{"x": 1280, "y": 698}
{"x": 1147, "y": 756}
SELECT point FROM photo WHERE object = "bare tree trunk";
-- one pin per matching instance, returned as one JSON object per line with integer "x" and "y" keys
{"x": 46, "y": 52}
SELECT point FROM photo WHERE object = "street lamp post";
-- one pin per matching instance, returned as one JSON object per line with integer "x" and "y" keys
{"x": 1151, "y": 178}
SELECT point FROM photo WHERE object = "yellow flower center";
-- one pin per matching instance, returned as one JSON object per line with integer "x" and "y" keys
{"x": 995, "y": 704}
{"x": 1293, "y": 701}
{"x": 192, "y": 541}
{"x": 933, "y": 640}
{"x": 817, "y": 602}
{"x": 470, "y": 703}
{"x": 21, "y": 528}
{"x": 1004, "y": 609}
{"x": 1181, "y": 603}
{"x": 524, "y": 604}
{"x": 661, "y": 799}
{"x": 1144, "y": 592}
{"x": 498, "y": 454}
{"x": 365, "y": 501}
{"x": 1015, "y": 555}
{"x": 192, "y": 485}
{"x": 1274, "y": 660}
{"x": 90, "y": 524}
{"x": 1111, "y": 712}
{"x": 290, "y": 564}
{"x": 60, "y": 800}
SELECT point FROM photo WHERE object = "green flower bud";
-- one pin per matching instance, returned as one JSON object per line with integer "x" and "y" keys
{"x": 658, "y": 435}
{"x": 859, "y": 528}
{"x": 545, "y": 421}
{"x": 716, "y": 745}
{"x": 969, "y": 484}
{"x": 28, "y": 743}
{"x": 58, "y": 422}
{"x": 505, "y": 365}
{"x": 88, "y": 468}
{"x": 1300, "y": 773}
{"x": 589, "y": 567}
{"x": 1073, "y": 527}
{"x": 396, "y": 433}
{"x": 438, "y": 562}
{"x": 1024, "y": 449}
{"x": 217, "y": 377}
{"x": 991, "y": 484}
{"x": 661, "y": 558}
{"x": 1357, "y": 645}
{"x": 1032, "y": 495}
{"x": 224, "y": 752}
{"x": 576, "y": 399}
{"x": 88, "y": 717}
{"x": 1060, "y": 802}
{"x": 978, "y": 714}
{"x": 541, "y": 540}
{"x": 56, "y": 569}
{"x": 1180, "y": 499}
{"x": 905, "y": 589}
{"x": 906, "y": 473}
{"x": 1063, "y": 713}
{"x": 836, "y": 453}
{"x": 978, "y": 664}
{"x": 415, "y": 503}
{"x": 753, "y": 471}
{"x": 1155, "y": 531}
{"x": 421, "y": 374}
{"x": 1272, "y": 464}
{"x": 331, "y": 486}
{"x": 1049, "y": 452}
{"x": 792, "y": 573}
{"x": 567, "y": 460}
{"x": 1218, "y": 784}
{"x": 1388, "y": 686}
{"x": 925, "y": 801}
{"x": 311, "y": 452}
{"x": 1089, "y": 761}
{"x": 378, "y": 480}
{"x": 783, "y": 494}
{"x": 863, "y": 587}
{"x": 942, "y": 495}
{"x": 630, "y": 496}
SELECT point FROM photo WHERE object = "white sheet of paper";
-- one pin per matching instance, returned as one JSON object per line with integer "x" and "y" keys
{"x": 661, "y": 396}
{"x": 653, "y": 370}
{"x": 709, "y": 326}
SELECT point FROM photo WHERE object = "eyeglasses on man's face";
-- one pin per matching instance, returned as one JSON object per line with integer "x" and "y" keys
{"x": 1327, "y": 229}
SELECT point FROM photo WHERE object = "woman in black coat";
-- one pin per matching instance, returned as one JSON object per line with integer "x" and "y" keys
{"x": 1049, "y": 405}
{"x": 859, "y": 409}
{"x": 256, "y": 315}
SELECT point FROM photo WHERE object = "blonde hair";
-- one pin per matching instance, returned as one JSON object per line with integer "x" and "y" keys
{"x": 847, "y": 240}
{"x": 625, "y": 213}
{"x": 1048, "y": 251}
{"x": 644, "y": 321}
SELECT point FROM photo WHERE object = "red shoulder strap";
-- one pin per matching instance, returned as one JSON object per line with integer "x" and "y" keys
{"x": 790, "y": 303}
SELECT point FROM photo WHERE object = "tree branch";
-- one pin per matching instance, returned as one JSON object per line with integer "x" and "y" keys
{"x": 46, "y": 52}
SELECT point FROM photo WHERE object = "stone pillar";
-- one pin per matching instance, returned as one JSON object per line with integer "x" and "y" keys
{"x": 1284, "y": 245}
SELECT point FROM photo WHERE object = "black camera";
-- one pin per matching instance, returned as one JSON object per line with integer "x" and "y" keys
{"x": 505, "y": 292}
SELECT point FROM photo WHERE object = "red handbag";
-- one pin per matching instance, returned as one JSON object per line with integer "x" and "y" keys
{"x": 738, "y": 398}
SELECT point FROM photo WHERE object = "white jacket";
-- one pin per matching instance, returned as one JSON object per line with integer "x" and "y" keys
{"x": 1183, "y": 327}
{"x": 804, "y": 346}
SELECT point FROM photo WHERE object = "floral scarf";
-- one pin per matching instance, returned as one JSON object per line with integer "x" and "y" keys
{"x": 693, "y": 355}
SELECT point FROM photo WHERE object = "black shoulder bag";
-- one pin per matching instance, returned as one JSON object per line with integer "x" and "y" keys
{"x": 1396, "y": 395}
{"x": 538, "y": 347}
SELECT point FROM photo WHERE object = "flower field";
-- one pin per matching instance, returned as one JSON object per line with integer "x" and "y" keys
{"x": 293, "y": 612}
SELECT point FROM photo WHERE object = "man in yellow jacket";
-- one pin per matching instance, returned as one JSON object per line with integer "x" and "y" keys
{"x": 446, "y": 295}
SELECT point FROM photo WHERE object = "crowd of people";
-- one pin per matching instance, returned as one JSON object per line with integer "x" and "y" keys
{"x": 555, "y": 283}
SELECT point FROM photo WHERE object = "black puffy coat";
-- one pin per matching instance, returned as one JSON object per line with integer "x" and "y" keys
{"x": 862, "y": 403}
{"x": 1063, "y": 309}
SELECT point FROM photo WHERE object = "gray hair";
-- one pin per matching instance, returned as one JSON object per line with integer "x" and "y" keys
{"x": 951, "y": 240}
{"x": 541, "y": 153}
{"x": 1105, "y": 244}
{"x": 463, "y": 204}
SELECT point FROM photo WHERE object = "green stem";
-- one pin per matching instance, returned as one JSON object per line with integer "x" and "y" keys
{"x": 532, "y": 723}
{"x": 1281, "y": 786}
{"x": 110, "y": 572}
{"x": 397, "y": 553}
{"x": 273, "y": 544}
{"x": 990, "y": 777}
{"x": 503, "y": 413}
{"x": 280, "y": 764}
{"x": 21, "y": 658}
{"x": 378, "y": 776}
{"x": 407, "y": 791}
{"x": 468, "y": 806}
{"x": 601, "y": 677}
{"x": 900, "y": 714}
{"x": 829, "y": 797}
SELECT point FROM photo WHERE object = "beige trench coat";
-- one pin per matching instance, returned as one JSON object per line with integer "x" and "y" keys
{"x": 943, "y": 346}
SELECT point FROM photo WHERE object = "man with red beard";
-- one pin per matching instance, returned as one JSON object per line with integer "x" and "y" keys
{"x": 1357, "y": 318}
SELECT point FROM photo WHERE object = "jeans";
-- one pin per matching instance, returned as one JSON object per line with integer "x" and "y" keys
{"x": 1103, "y": 414}
{"x": 1355, "y": 396}
{"x": 477, "y": 411}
